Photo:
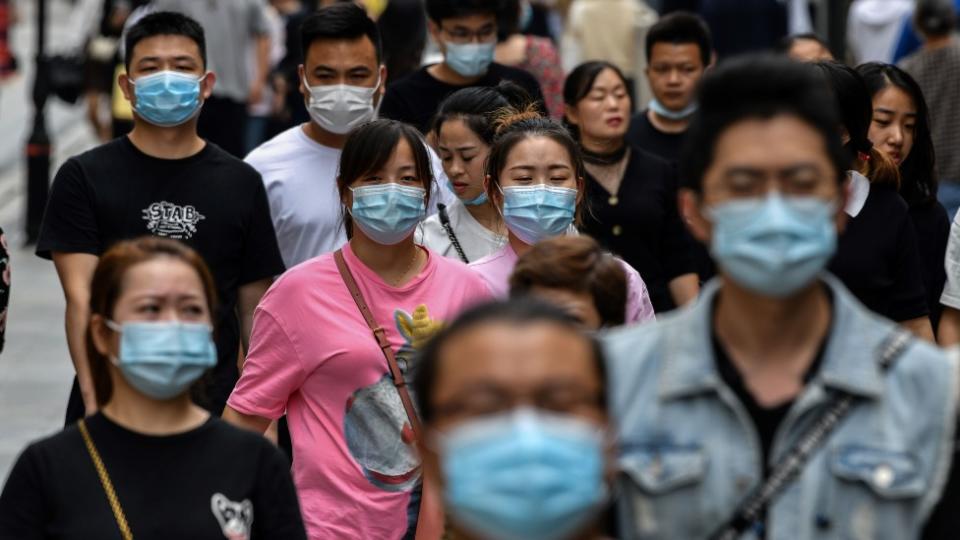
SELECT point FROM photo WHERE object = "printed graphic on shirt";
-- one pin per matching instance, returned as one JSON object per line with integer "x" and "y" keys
{"x": 235, "y": 518}
{"x": 172, "y": 220}
{"x": 378, "y": 433}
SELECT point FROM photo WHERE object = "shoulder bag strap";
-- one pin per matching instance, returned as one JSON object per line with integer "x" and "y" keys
{"x": 445, "y": 221}
{"x": 381, "y": 336}
{"x": 105, "y": 481}
{"x": 791, "y": 464}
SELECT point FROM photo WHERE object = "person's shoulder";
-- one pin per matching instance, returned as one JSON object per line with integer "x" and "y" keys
{"x": 647, "y": 159}
{"x": 514, "y": 74}
{"x": 98, "y": 155}
{"x": 64, "y": 442}
{"x": 886, "y": 198}
{"x": 228, "y": 166}
{"x": 281, "y": 149}
{"x": 411, "y": 81}
{"x": 490, "y": 260}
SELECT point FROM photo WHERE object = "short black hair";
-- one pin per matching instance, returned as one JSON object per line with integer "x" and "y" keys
{"x": 785, "y": 44}
{"x": 342, "y": 21}
{"x": 164, "y": 23}
{"x": 514, "y": 312}
{"x": 935, "y": 17}
{"x": 759, "y": 86}
{"x": 477, "y": 107}
{"x": 681, "y": 27}
{"x": 438, "y": 10}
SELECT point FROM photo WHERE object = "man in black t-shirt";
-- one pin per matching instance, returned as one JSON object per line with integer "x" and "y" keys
{"x": 466, "y": 31}
{"x": 679, "y": 50}
{"x": 163, "y": 179}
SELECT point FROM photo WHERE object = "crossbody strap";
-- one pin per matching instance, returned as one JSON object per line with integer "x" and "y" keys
{"x": 790, "y": 466}
{"x": 445, "y": 221}
{"x": 105, "y": 481}
{"x": 381, "y": 336}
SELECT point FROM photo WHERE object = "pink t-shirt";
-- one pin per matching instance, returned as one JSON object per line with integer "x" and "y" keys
{"x": 313, "y": 357}
{"x": 495, "y": 269}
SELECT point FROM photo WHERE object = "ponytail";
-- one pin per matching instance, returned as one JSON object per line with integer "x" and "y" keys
{"x": 879, "y": 168}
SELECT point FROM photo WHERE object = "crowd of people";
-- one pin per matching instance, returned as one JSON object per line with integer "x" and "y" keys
{"x": 705, "y": 293}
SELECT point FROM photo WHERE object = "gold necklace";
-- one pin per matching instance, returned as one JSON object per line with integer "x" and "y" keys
{"x": 416, "y": 251}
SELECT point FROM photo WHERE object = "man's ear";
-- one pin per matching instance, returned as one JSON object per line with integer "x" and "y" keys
{"x": 126, "y": 87}
{"x": 691, "y": 212}
{"x": 206, "y": 87}
{"x": 434, "y": 30}
{"x": 301, "y": 75}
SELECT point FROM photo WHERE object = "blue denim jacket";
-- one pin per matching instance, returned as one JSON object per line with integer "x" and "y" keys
{"x": 690, "y": 452}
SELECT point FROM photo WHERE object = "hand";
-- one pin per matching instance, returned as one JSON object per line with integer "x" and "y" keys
{"x": 256, "y": 93}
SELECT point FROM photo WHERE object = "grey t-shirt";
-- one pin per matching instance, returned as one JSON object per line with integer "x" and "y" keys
{"x": 231, "y": 28}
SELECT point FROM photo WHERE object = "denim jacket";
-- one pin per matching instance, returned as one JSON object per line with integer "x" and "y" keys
{"x": 689, "y": 452}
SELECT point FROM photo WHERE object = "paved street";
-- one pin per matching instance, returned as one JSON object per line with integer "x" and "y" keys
{"x": 35, "y": 370}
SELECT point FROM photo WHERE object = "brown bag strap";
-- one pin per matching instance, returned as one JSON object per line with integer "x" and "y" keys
{"x": 381, "y": 336}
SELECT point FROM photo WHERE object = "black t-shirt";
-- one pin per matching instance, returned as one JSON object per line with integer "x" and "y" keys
{"x": 414, "y": 99}
{"x": 199, "y": 485}
{"x": 641, "y": 224}
{"x": 643, "y": 134}
{"x": 933, "y": 231}
{"x": 211, "y": 201}
{"x": 878, "y": 260}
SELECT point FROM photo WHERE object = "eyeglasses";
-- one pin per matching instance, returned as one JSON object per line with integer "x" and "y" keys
{"x": 461, "y": 35}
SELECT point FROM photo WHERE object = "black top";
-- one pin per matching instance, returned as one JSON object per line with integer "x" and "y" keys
{"x": 641, "y": 224}
{"x": 211, "y": 201}
{"x": 878, "y": 260}
{"x": 4, "y": 286}
{"x": 643, "y": 135}
{"x": 933, "y": 230}
{"x": 414, "y": 99}
{"x": 201, "y": 484}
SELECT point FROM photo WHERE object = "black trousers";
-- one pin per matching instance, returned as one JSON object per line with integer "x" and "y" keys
{"x": 223, "y": 122}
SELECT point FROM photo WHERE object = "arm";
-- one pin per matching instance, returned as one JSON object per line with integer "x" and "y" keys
{"x": 684, "y": 289}
{"x": 949, "y": 329}
{"x": 921, "y": 327}
{"x": 262, "y": 67}
{"x": 248, "y": 298}
{"x": 251, "y": 422}
{"x": 75, "y": 271}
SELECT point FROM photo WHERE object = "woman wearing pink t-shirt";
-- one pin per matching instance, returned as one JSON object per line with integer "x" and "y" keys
{"x": 535, "y": 178}
{"x": 313, "y": 356}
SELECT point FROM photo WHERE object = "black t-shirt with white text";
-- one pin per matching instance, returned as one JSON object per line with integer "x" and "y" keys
{"x": 211, "y": 201}
{"x": 210, "y": 483}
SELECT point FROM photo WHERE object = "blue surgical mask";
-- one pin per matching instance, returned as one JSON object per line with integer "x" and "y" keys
{"x": 469, "y": 59}
{"x": 388, "y": 213}
{"x": 476, "y": 201}
{"x": 774, "y": 245}
{"x": 524, "y": 475}
{"x": 661, "y": 110}
{"x": 162, "y": 359}
{"x": 167, "y": 98}
{"x": 533, "y": 213}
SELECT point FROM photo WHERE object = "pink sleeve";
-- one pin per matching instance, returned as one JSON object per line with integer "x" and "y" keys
{"x": 639, "y": 307}
{"x": 272, "y": 372}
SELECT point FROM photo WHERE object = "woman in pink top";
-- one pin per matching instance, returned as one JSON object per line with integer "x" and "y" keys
{"x": 535, "y": 178}
{"x": 313, "y": 356}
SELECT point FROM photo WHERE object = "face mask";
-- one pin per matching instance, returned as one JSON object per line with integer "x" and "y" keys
{"x": 469, "y": 59}
{"x": 533, "y": 213}
{"x": 167, "y": 98}
{"x": 476, "y": 201}
{"x": 663, "y": 111}
{"x": 339, "y": 108}
{"x": 388, "y": 213}
{"x": 162, "y": 359}
{"x": 524, "y": 475}
{"x": 774, "y": 245}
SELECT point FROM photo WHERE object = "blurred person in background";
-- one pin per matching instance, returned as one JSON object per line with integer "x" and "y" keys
{"x": 176, "y": 185}
{"x": 466, "y": 32}
{"x": 470, "y": 228}
{"x": 403, "y": 27}
{"x": 936, "y": 68}
{"x": 759, "y": 363}
{"x": 150, "y": 464}
{"x": 233, "y": 28}
{"x": 900, "y": 128}
{"x": 533, "y": 54}
{"x": 535, "y": 178}
{"x": 612, "y": 31}
{"x": 877, "y": 256}
{"x": 513, "y": 398}
{"x": 8, "y": 17}
{"x": 260, "y": 115}
{"x": 575, "y": 274}
{"x": 873, "y": 29}
{"x": 679, "y": 50}
{"x": 805, "y": 48}
{"x": 738, "y": 26}
{"x": 631, "y": 194}
{"x": 313, "y": 355}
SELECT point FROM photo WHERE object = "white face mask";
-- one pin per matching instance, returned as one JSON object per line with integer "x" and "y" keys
{"x": 338, "y": 108}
